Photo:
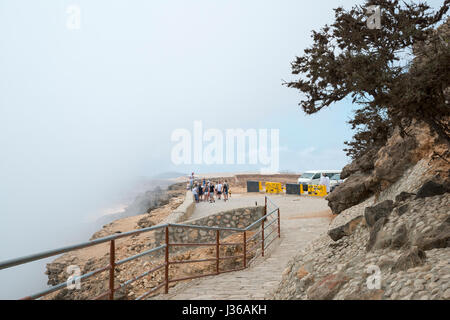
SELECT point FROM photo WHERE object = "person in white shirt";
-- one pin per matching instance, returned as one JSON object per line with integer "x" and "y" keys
{"x": 219, "y": 190}
{"x": 325, "y": 181}
{"x": 191, "y": 181}
{"x": 195, "y": 193}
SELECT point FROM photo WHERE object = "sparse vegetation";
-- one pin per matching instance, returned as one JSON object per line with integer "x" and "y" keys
{"x": 396, "y": 74}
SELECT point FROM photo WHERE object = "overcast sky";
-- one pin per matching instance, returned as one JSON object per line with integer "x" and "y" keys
{"x": 84, "y": 112}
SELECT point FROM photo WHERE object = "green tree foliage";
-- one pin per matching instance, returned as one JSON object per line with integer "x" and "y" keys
{"x": 394, "y": 74}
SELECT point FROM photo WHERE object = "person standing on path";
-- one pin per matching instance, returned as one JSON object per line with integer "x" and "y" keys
{"x": 325, "y": 181}
{"x": 191, "y": 181}
{"x": 219, "y": 190}
{"x": 195, "y": 192}
{"x": 225, "y": 191}
{"x": 211, "y": 192}
{"x": 200, "y": 192}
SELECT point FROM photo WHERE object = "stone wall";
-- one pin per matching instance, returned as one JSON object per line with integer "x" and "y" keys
{"x": 237, "y": 218}
{"x": 184, "y": 211}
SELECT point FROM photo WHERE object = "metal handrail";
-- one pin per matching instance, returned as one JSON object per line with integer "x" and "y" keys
{"x": 139, "y": 255}
{"x": 18, "y": 261}
{"x": 111, "y": 239}
{"x": 269, "y": 224}
{"x": 259, "y": 221}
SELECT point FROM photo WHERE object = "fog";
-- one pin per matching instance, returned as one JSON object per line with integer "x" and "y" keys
{"x": 86, "y": 115}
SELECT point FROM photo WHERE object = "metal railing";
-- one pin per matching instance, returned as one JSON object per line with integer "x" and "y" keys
{"x": 268, "y": 220}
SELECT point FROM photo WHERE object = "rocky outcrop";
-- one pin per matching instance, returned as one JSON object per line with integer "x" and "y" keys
{"x": 410, "y": 251}
{"x": 377, "y": 171}
{"x": 95, "y": 257}
{"x": 146, "y": 202}
{"x": 344, "y": 229}
{"x": 431, "y": 188}
{"x": 411, "y": 259}
{"x": 379, "y": 168}
{"x": 373, "y": 173}
{"x": 391, "y": 236}
{"x": 400, "y": 235}
{"x": 374, "y": 213}
{"x": 398, "y": 194}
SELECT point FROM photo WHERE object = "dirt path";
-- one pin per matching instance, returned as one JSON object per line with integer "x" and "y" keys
{"x": 302, "y": 220}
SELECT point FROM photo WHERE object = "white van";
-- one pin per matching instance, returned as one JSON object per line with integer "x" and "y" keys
{"x": 313, "y": 177}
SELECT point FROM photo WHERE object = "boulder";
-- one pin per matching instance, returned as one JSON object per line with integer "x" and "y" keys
{"x": 349, "y": 193}
{"x": 400, "y": 237}
{"x": 430, "y": 189}
{"x": 413, "y": 258}
{"x": 374, "y": 233}
{"x": 377, "y": 169}
{"x": 146, "y": 222}
{"x": 401, "y": 210}
{"x": 383, "y": 209}
{"x": 401, "y": 197}
{"x": 345, "y": 229}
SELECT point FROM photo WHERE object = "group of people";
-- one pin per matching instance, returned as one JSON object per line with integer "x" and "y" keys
{"x": 209, "y": 190}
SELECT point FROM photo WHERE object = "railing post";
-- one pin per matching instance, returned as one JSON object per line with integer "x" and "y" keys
{"x": 245, "y": 249}
{"x": 279, "y": 226}
{"x": 262, "y": 236}
{"x": 217, "y": 251}
{"x": 166, "y": 273}
{"x": 265, "y": 205}
{"x": 112, "y": 264}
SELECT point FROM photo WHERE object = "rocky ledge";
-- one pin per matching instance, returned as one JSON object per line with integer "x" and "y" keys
{"x": 395, "y": 249}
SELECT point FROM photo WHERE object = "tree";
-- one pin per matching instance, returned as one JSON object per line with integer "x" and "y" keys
{"x": 377, "y": 69}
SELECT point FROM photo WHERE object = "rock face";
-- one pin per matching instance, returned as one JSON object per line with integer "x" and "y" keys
{"x": 381, "y": 210}
{"x": 345, "y": 229}
{"x": 146, "y": 202}
{"x": 374, "y": 233}
{"x": 413, "y": 258}
{"x": 373, "y": 172}
{"x": 410, "y": 251}
{"x": 391, "y": 236}
{"x": 146, "y": 222}
{"x": 95, "y": 257}
{"x": 431, "y": 188}
{"x": 379, "y": 169}
{"x": 402, "y": 236}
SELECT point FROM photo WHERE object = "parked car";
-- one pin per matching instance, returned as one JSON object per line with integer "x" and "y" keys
{"x": 313, "y": 177}
{"x": 335, "y": 180}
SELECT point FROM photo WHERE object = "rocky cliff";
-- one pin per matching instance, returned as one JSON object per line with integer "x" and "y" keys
{"x": 391, "y": 239}
{"x": 391, "y": 236}
{"x": 379, "y": 168}
{"x": 148, "y": 209}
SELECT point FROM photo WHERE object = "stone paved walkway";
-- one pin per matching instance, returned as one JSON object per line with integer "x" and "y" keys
{"x": 302, "y": 220}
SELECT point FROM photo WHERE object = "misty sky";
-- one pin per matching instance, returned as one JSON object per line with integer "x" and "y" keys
{"x": 83, "y": 113}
